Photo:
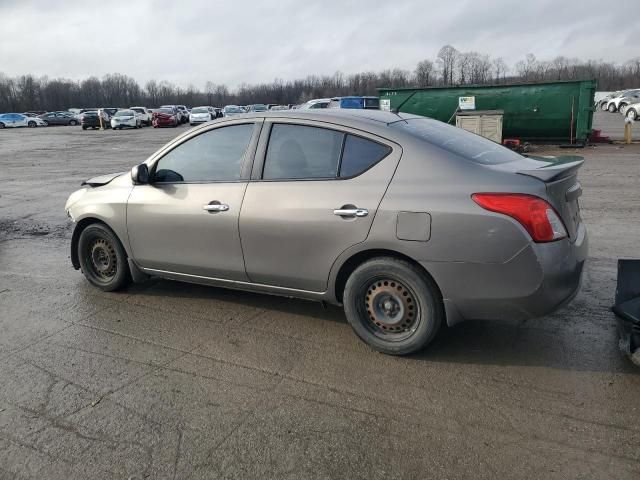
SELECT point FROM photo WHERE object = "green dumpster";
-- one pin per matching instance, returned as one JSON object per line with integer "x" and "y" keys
{"x": 559, "y": 111}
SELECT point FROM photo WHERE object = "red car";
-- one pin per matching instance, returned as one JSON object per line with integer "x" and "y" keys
{"x": 165, "y": 117}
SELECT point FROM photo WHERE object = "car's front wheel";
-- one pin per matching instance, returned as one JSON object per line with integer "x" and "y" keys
{"x": 1, "y": 125}
{"x": 393, "y": 306}
{"x": 632, "y": 114}
{"x": 102, "y": 258}
{"x": 612, "y": 108}
{"x": 32, "y": 124}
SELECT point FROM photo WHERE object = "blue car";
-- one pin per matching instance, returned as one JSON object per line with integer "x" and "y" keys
{"x": 355, "y": 102}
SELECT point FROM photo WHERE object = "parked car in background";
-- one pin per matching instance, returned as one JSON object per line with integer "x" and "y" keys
{"x": 180, "y": 115}
{"x": 258, "y": 107}
{"x": 185, "y": 113}
{"x": 277, "y": 108}
{"x": 219, "y": 112}
{"x": 144, "y": 113}
{"x": 632, "y": 111}
{"x": 624, "y": 98}
{"x": 603, "y": 103}
{"x": 313, "y": 104}
{"x": 201, "y": 115}
{"x": 231, "y": 110}
{"x": 10, "y": 120}
{"x": 126, "y": 119}
{"x": 166, "y": 117}
{"x": 355, "y": 102}
{"x": 95, "y": 119}
{"x": 352, "y": 212}
{"x": 59, "y": 118}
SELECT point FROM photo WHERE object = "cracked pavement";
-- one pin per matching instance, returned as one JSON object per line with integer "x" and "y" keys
{"x": 178, "y": 381}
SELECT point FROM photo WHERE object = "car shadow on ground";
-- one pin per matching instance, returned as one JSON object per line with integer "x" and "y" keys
{"x": 550, "y": 342}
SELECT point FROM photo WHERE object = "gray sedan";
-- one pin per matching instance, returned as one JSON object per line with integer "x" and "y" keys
{"x": 59, "y": 118}
{"x": 407, "y": 222}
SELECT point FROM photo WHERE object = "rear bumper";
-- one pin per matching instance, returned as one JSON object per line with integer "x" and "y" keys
{"x": 537, "y": 281}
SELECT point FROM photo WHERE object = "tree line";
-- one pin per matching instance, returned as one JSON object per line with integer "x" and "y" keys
{"x": 450, "y": 67}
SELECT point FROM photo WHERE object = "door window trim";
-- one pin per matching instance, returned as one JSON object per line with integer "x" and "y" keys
{"x": 263, "y": 144}
{"x": 246, "y": 162}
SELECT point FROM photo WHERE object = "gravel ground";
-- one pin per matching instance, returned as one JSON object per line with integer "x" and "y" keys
{"x": 169, "y": 380}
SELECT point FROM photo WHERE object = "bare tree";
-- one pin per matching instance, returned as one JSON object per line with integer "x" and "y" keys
{"x": 423, "y": 73}
{"x": 447, "y": 58}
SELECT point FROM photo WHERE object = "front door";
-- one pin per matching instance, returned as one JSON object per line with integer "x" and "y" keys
{"x": 316, "y": 196}
{"x": 186, "y": 220}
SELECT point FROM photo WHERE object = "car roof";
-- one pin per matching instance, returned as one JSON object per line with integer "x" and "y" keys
{"x": 338, "y": 115}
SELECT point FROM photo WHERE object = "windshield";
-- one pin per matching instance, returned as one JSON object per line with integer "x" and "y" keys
{"x": 124, "y": 113}
{"x": 199, "y": 110}
{"x": 460, "y": 142}
{"x": 258, "y": 108}
{"x": 139, "y": 110}
{"x": 233, "y": 110}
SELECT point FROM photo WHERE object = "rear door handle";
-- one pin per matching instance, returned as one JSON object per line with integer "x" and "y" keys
{"x": 216, "y": 207}
{"x": 351, "y": 212}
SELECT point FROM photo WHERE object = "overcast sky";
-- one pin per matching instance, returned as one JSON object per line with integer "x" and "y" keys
{"x": 235, "y": 41}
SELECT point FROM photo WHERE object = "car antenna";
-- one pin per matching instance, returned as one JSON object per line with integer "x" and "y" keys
{"x": 397, "y": 109}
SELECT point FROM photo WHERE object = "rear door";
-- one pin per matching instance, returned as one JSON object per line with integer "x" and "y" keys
{"x": 314, "y": 193}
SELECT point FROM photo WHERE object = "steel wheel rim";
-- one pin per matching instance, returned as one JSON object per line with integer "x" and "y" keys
{"x": 391, "y": 309}
{"x": 102, "y": 259}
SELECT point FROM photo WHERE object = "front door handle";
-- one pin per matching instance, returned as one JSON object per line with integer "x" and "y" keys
{"x": 351, "y": 212}
{"x": 216, "y": 207}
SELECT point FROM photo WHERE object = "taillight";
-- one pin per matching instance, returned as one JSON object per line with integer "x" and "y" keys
{"x": 535, "y": 214}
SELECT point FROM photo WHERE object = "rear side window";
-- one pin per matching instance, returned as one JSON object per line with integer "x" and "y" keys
{"x": 360, "y": 154}
{"x": 299, "y": 151}
{"x": 468, "y": 145}
{"x": 213, "y": 156}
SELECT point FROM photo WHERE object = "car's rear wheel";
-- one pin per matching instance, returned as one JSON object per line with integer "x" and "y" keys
{"x": 612, "y": 108}
{"x": 392, "y": 305}
{"x": 621, "y": 106}
{"x": 32, "y": 124}
{"x": 103, "y": 260}
{"x": 46, "y": 124}
{"x": 73, "y": 123}
{"x": 84, "y": 128}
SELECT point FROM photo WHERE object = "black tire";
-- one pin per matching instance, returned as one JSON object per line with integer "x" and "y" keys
{"x": 1, "y": 125}
{"x": 103, "y": 259}
{"x": 73, "y": 123}
{"x": 32, "y": 124}
{"x": 46, "y": 124}
{"x": 84, "y": 128}
{"x": 393, "y": 306}
{"x": 612, "y": 108}
{"x": 632, "y": 114}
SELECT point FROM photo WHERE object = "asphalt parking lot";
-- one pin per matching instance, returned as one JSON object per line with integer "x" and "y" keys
{"x": 169, "y": 380}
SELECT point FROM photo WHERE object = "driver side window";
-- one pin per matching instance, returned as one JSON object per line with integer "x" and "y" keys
{"x": 212, "y": 156}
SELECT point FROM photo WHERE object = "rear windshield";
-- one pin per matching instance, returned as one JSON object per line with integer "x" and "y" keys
{"x": 199, "y": 110}
{"x": 460, "y": 142}
{"x": 124, "y": 113}
{"x": 165, "y": 110}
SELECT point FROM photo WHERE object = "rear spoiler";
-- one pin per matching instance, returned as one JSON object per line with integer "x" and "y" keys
{"x": 554, "y": 171}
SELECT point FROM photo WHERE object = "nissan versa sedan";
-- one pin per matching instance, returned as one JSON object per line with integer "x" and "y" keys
{"x": 407, "y": 222}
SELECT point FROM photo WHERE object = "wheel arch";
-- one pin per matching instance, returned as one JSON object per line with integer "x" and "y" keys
{"x": 75, "y": 237}
{"x": 357, "y": 259}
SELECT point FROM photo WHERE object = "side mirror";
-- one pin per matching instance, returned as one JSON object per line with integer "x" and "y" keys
{"x": 140, "y": 174}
